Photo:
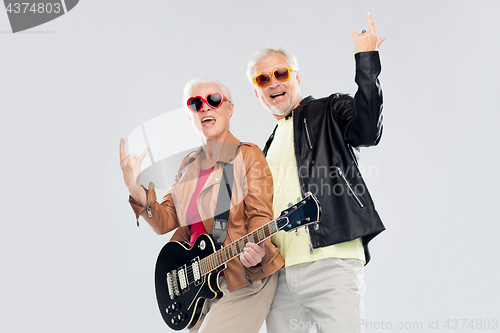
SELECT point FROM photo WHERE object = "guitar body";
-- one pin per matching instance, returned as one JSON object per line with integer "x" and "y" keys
{"x": 180, "y": 290}
{"x": 185, "y": 278}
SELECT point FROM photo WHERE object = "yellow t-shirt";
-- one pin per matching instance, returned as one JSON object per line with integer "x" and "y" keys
{"x": 296, "y": 249}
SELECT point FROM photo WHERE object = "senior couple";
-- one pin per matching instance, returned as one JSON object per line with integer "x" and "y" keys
{"x": 311, "y": 281}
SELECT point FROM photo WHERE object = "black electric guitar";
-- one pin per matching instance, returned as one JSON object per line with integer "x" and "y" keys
{"x": 185, "y": 278}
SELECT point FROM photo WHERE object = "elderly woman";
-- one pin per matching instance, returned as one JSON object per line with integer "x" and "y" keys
{"x": 248, "y": 282}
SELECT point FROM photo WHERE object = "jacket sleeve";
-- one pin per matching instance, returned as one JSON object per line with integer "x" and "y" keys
{"x": 161, "y": 216}
{"x": 258, "y": 202}
{"x": 259, "y": 199}
{"x": 361, "y": 117}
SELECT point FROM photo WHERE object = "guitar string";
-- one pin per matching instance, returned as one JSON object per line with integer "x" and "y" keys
{"x": 216, "y": 260}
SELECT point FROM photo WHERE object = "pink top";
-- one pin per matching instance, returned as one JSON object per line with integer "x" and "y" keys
{"x": 193, "y": 215}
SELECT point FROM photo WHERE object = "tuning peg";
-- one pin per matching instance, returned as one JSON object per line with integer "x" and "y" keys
{"x": 290, "y": 204}
{"x": 307, "y": 229}
{"x": 316, "y": 226}
{"x": 297, "y": 232}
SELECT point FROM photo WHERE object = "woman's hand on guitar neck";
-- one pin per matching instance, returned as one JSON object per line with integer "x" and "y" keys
{"x": 252, "y": 254}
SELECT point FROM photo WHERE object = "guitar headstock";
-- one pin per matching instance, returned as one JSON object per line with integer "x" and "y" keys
{"x": 304, "y": 212}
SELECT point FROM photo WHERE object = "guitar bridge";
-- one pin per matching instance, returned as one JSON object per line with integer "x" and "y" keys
{"x": 173, "y": 284}
{"x": 170, "y": 285}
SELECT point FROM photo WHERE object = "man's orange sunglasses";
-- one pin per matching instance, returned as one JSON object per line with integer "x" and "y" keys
{"x": 264, "y": 79}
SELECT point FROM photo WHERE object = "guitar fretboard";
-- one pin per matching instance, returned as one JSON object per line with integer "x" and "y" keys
{"x": 232, "y": 250}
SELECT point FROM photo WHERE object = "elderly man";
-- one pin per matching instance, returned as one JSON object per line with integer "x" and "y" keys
{"x": 312, "y": 149}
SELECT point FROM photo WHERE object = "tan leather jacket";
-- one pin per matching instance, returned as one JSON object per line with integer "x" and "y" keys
{"x": 251, "y": 205}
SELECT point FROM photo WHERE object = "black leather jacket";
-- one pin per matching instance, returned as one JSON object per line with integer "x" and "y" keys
{"x": 326, "y": 132}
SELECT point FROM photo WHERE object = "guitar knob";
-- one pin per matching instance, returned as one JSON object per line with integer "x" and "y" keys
{"x": 297, "y": 232}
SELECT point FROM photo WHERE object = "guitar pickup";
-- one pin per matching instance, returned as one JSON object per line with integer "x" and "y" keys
{"x": 195, "y": 267}
{"x": 182, "y": 279}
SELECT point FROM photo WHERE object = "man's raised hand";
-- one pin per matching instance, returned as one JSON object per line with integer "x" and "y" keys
{"x": 366, "y": 40}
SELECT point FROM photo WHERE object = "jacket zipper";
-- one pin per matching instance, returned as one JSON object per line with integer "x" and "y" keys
{"x": 360, "y": 203}
{"x": 147, "y": 208}
{"x": 147, "y": 203}
{"x": 307, "y": 133}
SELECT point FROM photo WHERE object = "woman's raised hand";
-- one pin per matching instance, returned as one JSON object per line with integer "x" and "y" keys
{"x": 131, "y": 168}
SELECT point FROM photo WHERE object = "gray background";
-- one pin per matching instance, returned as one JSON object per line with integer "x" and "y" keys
{"x": 72, "y": 257}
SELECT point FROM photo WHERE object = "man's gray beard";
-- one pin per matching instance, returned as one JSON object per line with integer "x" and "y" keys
{"x": 288, "y": 109}
{"x": 280, "y": 113}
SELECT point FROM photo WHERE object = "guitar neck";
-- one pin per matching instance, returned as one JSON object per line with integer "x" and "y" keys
{"x": 234, "y": 249}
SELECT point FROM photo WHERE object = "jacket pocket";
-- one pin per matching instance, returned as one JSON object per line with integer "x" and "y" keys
{"x": 308, "y": 135}
{"x": 349, "y": 187}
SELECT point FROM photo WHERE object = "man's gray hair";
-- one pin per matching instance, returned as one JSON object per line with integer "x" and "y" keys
{"x": 191, "y": 85}
{"x": 264, "y": 53}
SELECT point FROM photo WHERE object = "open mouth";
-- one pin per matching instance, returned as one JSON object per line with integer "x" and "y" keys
{"x": 278, "y": 95}
{"x": 208, "y": 121}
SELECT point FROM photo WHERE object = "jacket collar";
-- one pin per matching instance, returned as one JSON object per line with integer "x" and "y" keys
{"x": 302, "y": 103}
